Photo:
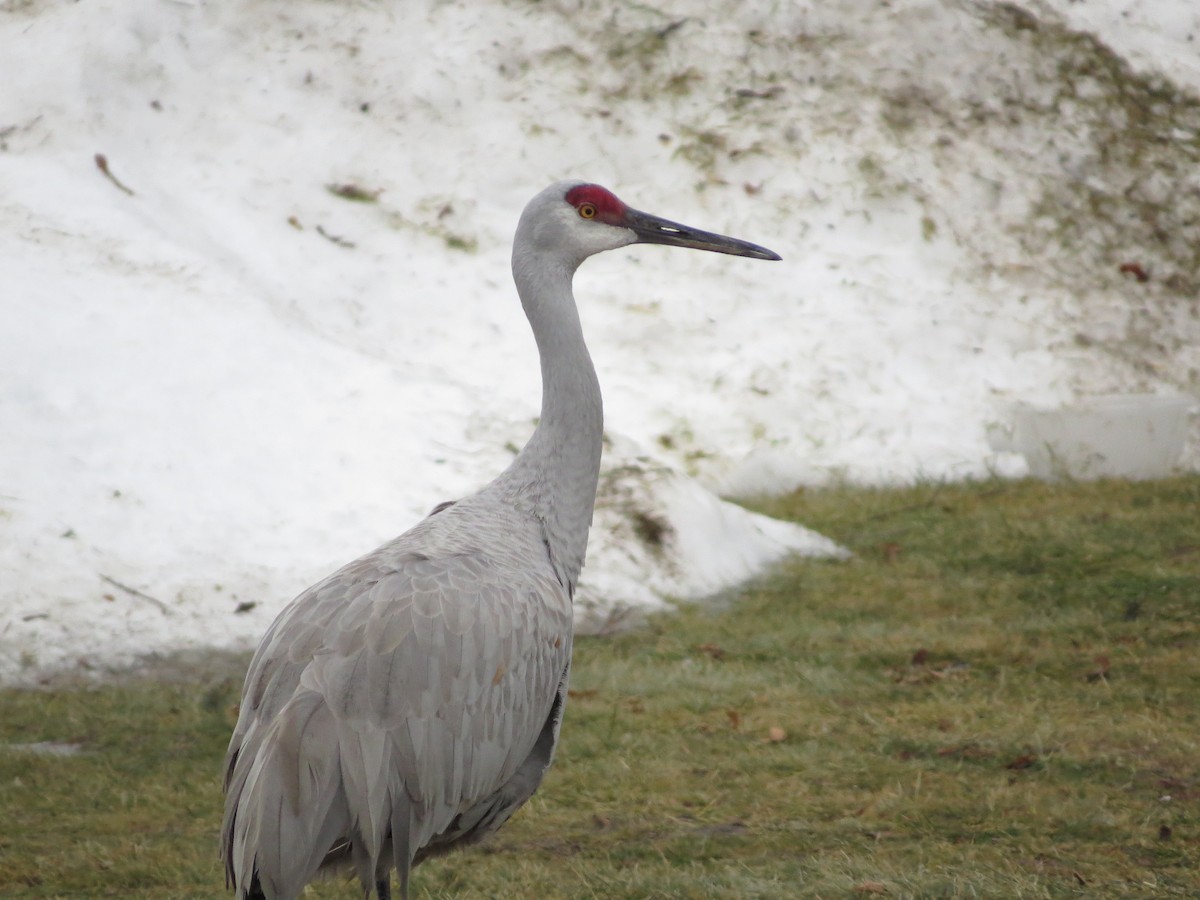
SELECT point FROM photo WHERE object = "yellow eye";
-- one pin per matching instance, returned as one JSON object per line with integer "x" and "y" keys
{"x": 587, "y": 210}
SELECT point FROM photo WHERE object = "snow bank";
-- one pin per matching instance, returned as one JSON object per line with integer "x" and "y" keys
{"x": 220, "y": 378}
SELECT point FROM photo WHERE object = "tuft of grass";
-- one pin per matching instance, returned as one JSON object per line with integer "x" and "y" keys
{"x": 997, "y": 696}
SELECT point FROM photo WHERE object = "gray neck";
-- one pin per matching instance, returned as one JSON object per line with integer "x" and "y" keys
{"x": 557, "y": 471}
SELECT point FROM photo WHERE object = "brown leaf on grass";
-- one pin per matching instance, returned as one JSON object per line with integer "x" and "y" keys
{"x": 713, "y": 650}
{"x": 920, "y": 658}
{"x": 890, "y": 551}
{"x": 1022, "y": 762}
{"x": 1100, "y": 673}
{"x": 775, "y": 734}
{"x": 735, "y": 718}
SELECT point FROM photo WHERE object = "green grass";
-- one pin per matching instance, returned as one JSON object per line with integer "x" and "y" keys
{"x": 999, "y": 696}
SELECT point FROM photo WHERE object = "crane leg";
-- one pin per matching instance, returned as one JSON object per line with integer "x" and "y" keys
{"x": 383, "y": 889}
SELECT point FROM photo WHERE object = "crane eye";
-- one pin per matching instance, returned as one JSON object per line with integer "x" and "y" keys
{"x": 587, "y": 210}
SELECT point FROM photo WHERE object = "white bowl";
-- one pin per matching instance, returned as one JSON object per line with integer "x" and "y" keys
{"x": 1134, "y": 436}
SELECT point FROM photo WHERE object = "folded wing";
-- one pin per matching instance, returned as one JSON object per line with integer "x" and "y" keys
{"x": 403, "y": 704}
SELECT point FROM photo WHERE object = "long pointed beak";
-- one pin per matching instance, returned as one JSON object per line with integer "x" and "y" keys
{"x": 655, "y": 230}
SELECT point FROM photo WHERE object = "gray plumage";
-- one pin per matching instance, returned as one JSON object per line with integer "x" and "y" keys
{"x": 411, "y": 702}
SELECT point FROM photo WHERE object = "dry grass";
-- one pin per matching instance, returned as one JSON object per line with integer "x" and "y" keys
{"x": 998, "y": 697}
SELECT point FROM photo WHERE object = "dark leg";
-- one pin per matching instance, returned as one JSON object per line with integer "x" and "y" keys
{"x": 383, "y": 889}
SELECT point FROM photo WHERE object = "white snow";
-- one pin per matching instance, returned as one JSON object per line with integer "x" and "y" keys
{"x": 218, "y": 387}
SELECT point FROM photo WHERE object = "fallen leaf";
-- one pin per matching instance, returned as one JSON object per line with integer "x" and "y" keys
{"x": 1136, "y": 270}
{"x": 775, "y": 734}
{"x": 354, "y": 192}
{"x": 1100, "y": 673}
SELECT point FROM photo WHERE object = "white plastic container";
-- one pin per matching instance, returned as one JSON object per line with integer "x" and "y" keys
{"x": 1136, "y": 436}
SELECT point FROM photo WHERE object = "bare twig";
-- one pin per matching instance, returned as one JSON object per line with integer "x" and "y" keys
{"x": 665, "y": 32}
{"x": 136, "y": 593}
{"x": 750, "y": 94}
{"x": 340, "y": 241}
{"x": 102, "y": 165}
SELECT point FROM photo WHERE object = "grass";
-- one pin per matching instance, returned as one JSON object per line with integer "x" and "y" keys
{"x": 999, "y": 696}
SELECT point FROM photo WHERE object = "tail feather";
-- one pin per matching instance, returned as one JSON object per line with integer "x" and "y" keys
{"x": 364, "y": 758}
{"x": 402, "y": 843}
{"x": 286, "y": 809}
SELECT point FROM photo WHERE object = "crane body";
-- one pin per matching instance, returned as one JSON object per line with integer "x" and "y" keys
{"x": 410, "y": 703}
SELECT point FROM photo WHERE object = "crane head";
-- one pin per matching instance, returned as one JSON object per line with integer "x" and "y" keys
{"x": 595, "y": 204}
{"x": 577, "y": 219}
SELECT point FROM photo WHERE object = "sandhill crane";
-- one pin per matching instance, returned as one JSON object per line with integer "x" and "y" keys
{"x": 410, "y": 702}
